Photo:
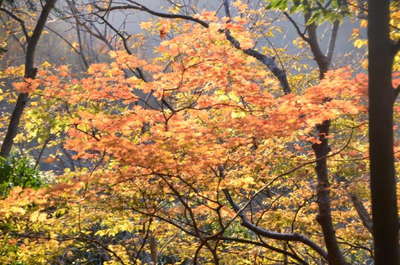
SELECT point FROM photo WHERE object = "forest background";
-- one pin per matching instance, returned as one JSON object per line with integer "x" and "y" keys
{"x": 199, "y": 132}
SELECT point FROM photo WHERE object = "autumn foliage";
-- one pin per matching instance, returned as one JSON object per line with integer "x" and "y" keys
{"x": 181, "y": 174}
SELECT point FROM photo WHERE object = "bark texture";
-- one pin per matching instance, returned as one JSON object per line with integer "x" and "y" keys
{"x": 381, "y": 96}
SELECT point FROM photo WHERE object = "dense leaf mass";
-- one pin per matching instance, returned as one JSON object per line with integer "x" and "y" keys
{"x": 209, "y": 151}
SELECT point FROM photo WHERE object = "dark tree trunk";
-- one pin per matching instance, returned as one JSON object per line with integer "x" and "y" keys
{"x": 324, "y": 217}
{"x": 30, "y": 72}
{"x": 381, "y": 95}
{"x": 321, "y": 150}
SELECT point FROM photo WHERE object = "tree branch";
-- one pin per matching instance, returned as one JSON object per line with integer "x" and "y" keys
{"x": 20, "y": 21}
{"x": 332, "y": 41}
{"x": 70, "y": 45}
{"x": 261, "y": 244}
{"x": 268, "y": 61}
{"x": 140, "y": 7}
{"x": 297, "y": 28}
{"x": 271, "y": 234}
{"x": 361, "y": 211}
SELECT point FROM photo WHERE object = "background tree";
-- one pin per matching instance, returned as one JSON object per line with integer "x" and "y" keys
{"x": 381, "y": 52}
{"x": 30, "y": 72}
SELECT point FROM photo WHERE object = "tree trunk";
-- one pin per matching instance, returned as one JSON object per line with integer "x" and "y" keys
{"x": 381, "y": 95}
{"x": 324, "y": 217}
{"x": 30, "y": 72}
{"x": 321, "y": 150}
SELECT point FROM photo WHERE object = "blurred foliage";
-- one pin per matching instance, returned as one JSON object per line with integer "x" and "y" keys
{"x": 18, "y": 171}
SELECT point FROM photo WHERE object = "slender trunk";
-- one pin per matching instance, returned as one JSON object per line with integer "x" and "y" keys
{"x": 30, "y": 72}
{"x": 321, "y": 150}
{"x": 324, "y": 217}
{"x": 153, "y": 250}
{"x": 381, "y": 94}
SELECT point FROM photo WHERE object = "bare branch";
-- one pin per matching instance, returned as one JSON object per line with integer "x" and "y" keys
{"x": 265, "y": 245}
{"x": 70, "y": 45}
{"x": 272, "y": 234}
{"x": 297, "y": 28}
{"x": 361, "y": 211}
{"x": 332, "y": 41}
{"x": 227, "y": 10}
{"x": 20, "y": 21}
{"x": 137, "y": 6}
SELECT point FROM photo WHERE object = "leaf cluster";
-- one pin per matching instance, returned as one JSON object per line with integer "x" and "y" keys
{"x": 18, "y": 171}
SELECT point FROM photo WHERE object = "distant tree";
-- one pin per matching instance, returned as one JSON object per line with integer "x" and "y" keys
{"x": 30, "y": 71}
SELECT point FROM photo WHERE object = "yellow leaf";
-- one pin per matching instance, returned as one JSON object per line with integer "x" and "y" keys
{"x": 360, "y": 43}
{"x": 37, "y": 216}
